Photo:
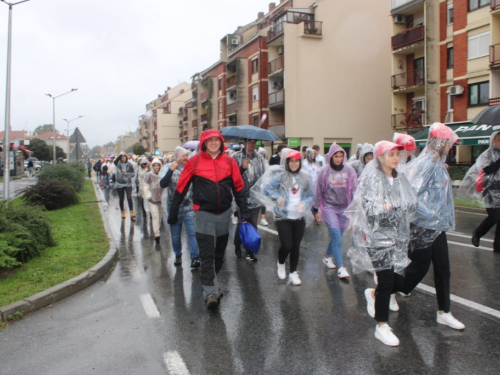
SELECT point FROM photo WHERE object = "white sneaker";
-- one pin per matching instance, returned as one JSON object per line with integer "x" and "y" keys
{"x": 370, "y": 302}
{"x": 264, "y": 222}
{"x": 449, "y": 320}
{"x": 294, "y": 278}
{"x": 281, "y": 271}
{"x": 329, "y": 262}
{"x": 384, "y": 333}
{"x": 235, "y": 220}
{"x": 404, "y": 295}
{"x": 343, "y": 274}
{"x": 375, "y": 278}
{"x": 393, "y": 306}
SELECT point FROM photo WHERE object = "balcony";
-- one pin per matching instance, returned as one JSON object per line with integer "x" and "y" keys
{"x": 412, "y": 119}
{"x": 408, "y": 37}
{"x": 277, "y": 65}
{"x": 277, "y": 99}
{"x": 231, "y": 108}
{"x": 181, "y": 110}
{"x": 180, "y": 123}
{"x": 278, "y": 129}
{"x": 313, "y": 28}
{"x": 408, "y": 79}
{"x": 166, "y": 110}
{"x": 204, "y": 117}
{"x": 194, "y": 123}
{"x": 494, "y": 4}
{"x": 495, "y": 53}
{"x": 275, "y": 32}
{"x": 185, "y": 133}
{"x": 231, "y": 81}
{"x": 181, "y": 135}
{"x": 399, "y": 3}
{"x": 494, "y": 101}
{"x": 185, "y": 118}
{"x": 195, "y": 137}
{"x": 204, "y": 96}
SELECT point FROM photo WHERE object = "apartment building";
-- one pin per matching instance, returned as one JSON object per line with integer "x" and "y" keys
{"x": 126, "y": 141}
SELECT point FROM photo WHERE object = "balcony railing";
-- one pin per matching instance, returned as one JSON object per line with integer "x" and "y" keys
{"x": 185, "y": 133}
{"x": 181, "y": 110}
{"x": 277, "y": 98}
{"x": 495, "y": 53}
{"x": 275, "y": 32}
{"x": 408, "y": 37}
{"x": 494, "y": 101}
{"x": 494, "y": 4}
{"x": 231, "y": 108}
{"x": 399, "y": 122}
{"x": 278, "y": 129}
{"x": 185, "y": 118}
{"x": 180, "y": 123}
{"x": 277, "y": 64}
{"x": 313, "y": 28}
{"x": 181, "y": 135}
{"x": 194, "y": 123}
{"x": 408, "y": 79}
{"x": 204, "y": 117}
{"x": 231, "y": 81}
{"x": 204, "y": 96}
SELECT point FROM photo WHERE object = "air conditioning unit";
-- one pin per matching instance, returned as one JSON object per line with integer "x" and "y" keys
{"x": 456, "y": 90}
{"x": 232, "y": 95}
{"x": 235, "y": 42}
{"x": 281, "y": 50}
{"x": 275, "y": 84}
{"x": 398, "y": 18}
{"x": 231, "y": 119}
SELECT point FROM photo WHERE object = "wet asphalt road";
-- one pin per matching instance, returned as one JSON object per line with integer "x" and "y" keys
{"x": 264, "y": 325}
{"x": 17, "y": 186}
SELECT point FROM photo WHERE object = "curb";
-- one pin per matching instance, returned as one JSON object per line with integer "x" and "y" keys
{"x": 69, "y": 287}
{"x": 471, "y": 210}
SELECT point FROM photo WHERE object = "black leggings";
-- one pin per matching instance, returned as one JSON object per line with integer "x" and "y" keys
{"x": 121, "y": 196}
{"x": 290, "y": 233}
{"x": 388, "y": 283}
{"x": 488, "y": 223}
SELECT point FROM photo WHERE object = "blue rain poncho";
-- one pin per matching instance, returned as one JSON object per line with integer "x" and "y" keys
{"x": 277, "y": 184}
{"x": 334, "y": 190}
{"x": 380, "y": 216}
{"x": 431, "y": 183}
{"x": 482, "y": 181}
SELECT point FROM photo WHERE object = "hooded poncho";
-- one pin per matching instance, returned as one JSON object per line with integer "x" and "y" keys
{"x": 359, "y": 164}
{"x": 334, "y": 190}
{"x": 152, "y": 188}
{"x": 311, "y": 164}
{"x": 171, "y": 179}
{"x": 256, "y": 167}
{"x": 380, "y": 215}
{"x": 277, "y": 183}
{"x": 125, "y": 172}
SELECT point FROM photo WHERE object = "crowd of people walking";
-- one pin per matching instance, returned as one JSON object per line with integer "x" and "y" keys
{"x": 398, "y": 206}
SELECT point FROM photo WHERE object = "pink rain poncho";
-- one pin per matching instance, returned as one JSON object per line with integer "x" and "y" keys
{"x": 334, "y": 189}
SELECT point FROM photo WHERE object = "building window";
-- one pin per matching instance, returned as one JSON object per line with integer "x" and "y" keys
{"x": 220, "y": 106}
{"x": 479, "y": 94}
{"x": 220, "y": 84}
{"x": 450, "y": 14}
{"x": 256, "y": 121}
{"x": 479, "y": 45}
{"x": 255, "y": 93}
{"x": 450, "y": 58}
{"x": 255, "y": 66}
{"x": 476, "y": 4}
{"x": 450, "y": 102}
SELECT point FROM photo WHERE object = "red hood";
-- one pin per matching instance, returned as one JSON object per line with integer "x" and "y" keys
{"x": 209, "y": 133}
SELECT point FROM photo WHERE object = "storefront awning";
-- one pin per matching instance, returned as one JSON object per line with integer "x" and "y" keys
{"x": 468, "y": 133}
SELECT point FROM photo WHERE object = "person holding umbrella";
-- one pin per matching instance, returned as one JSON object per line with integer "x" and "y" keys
{"x": 30, "y": 167}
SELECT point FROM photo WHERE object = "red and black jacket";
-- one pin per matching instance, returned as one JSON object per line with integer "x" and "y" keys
{"x": 215, "y": 181}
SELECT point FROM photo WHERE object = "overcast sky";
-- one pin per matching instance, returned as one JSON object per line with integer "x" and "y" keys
{"x": 120, "y": 54}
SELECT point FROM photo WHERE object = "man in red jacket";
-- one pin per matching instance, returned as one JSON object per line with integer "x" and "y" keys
{"x": 216, "y": 178}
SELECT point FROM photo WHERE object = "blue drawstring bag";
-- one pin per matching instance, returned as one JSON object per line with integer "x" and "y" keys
{"x": 250, "y": 237}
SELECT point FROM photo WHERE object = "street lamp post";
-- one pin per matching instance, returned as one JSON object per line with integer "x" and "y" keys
{"x": 54, "y": 119}
{"x": 67, "y": 122}
{"x": 6, "y": 138}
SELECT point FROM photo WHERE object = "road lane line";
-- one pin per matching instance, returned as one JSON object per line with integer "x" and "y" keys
{"x": 472, "y": 213}
{"x": 149, "y": 306}
{"x": 175, "y": 364}
{"x": 459, "y": 234}
{"x": 267, "y": 229}
{"x": 471, "y": 246}
{"x": 463, "y": 301}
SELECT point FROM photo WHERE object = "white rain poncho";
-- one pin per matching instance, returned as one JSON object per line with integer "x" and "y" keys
{"x": 311, "y": 165}
{"x": 359, "y": 164}
{"x": 187, "y": 203}
{"x": 355, "y": 156}
{"x": 278, "y": 184}
{"x": 408, "y": 142}
{"x": 152, "y": 189}
{"x": 257, "y": 165}
{"x": 482, "y": 180}
{"x": 431, "y": 183}
{"x": 334, "y": 190}
{"x": 380, "y": 215}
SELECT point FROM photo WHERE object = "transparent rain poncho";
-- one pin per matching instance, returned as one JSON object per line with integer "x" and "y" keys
{"x": 334, "y": 190}
{"x": 355, "y": 156}
{"x": 187, "y": 203}
{"x": 257, "y": 165}
{"x": 431, "y": 183}
{"x": 482, "y": 180}
{"x": 380, "y": 215}
{"x": 152, "y": 189}
{"x": 277, "y": 185}
{"x": 359, "y": 164}
{"x": 311, "y": 165}
{"x": 407, "y": 141}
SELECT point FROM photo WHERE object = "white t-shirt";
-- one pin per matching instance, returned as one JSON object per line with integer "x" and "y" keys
{"x": 321, "y": 160}
{"x": 293, "y": 200}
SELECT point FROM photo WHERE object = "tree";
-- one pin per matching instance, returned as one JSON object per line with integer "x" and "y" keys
{"x": 59, "y": 153}
{"x": 95, "y": 152}
{"x": 138, "y": 149}
{"x": 44, "y": 128}
{"x": 40, "y": 149}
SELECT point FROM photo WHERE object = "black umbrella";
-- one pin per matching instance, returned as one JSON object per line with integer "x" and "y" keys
{"x": 488, "y": 116}
{"x": 248, "y": 132}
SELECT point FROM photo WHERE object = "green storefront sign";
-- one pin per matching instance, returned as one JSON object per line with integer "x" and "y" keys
{"x": 294, "y": 142}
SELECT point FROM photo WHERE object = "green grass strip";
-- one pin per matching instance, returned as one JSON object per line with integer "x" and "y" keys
{"x": 81, "y": 243}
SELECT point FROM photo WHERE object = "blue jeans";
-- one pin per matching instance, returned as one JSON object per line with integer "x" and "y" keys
{"x": 334, "y": 248}
{"x": 176, "y": 231}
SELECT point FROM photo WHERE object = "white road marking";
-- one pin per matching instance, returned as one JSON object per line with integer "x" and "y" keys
{"x": 463, "y": 301}
{"x": 459, "y": 234}
{"x": 267, "y": 229}
{"x": 472, "y": 246}
{"x": 175, "y": 364}
{"x": 472, "y": 213}
{"x": 149, "y": 306}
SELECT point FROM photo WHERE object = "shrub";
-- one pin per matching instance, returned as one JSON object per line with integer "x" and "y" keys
{"x": 25, "y": 232}
{"x": 51, "y": 194}
{"x": 457, "y": 172}
{"x": 70, "y": 174}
